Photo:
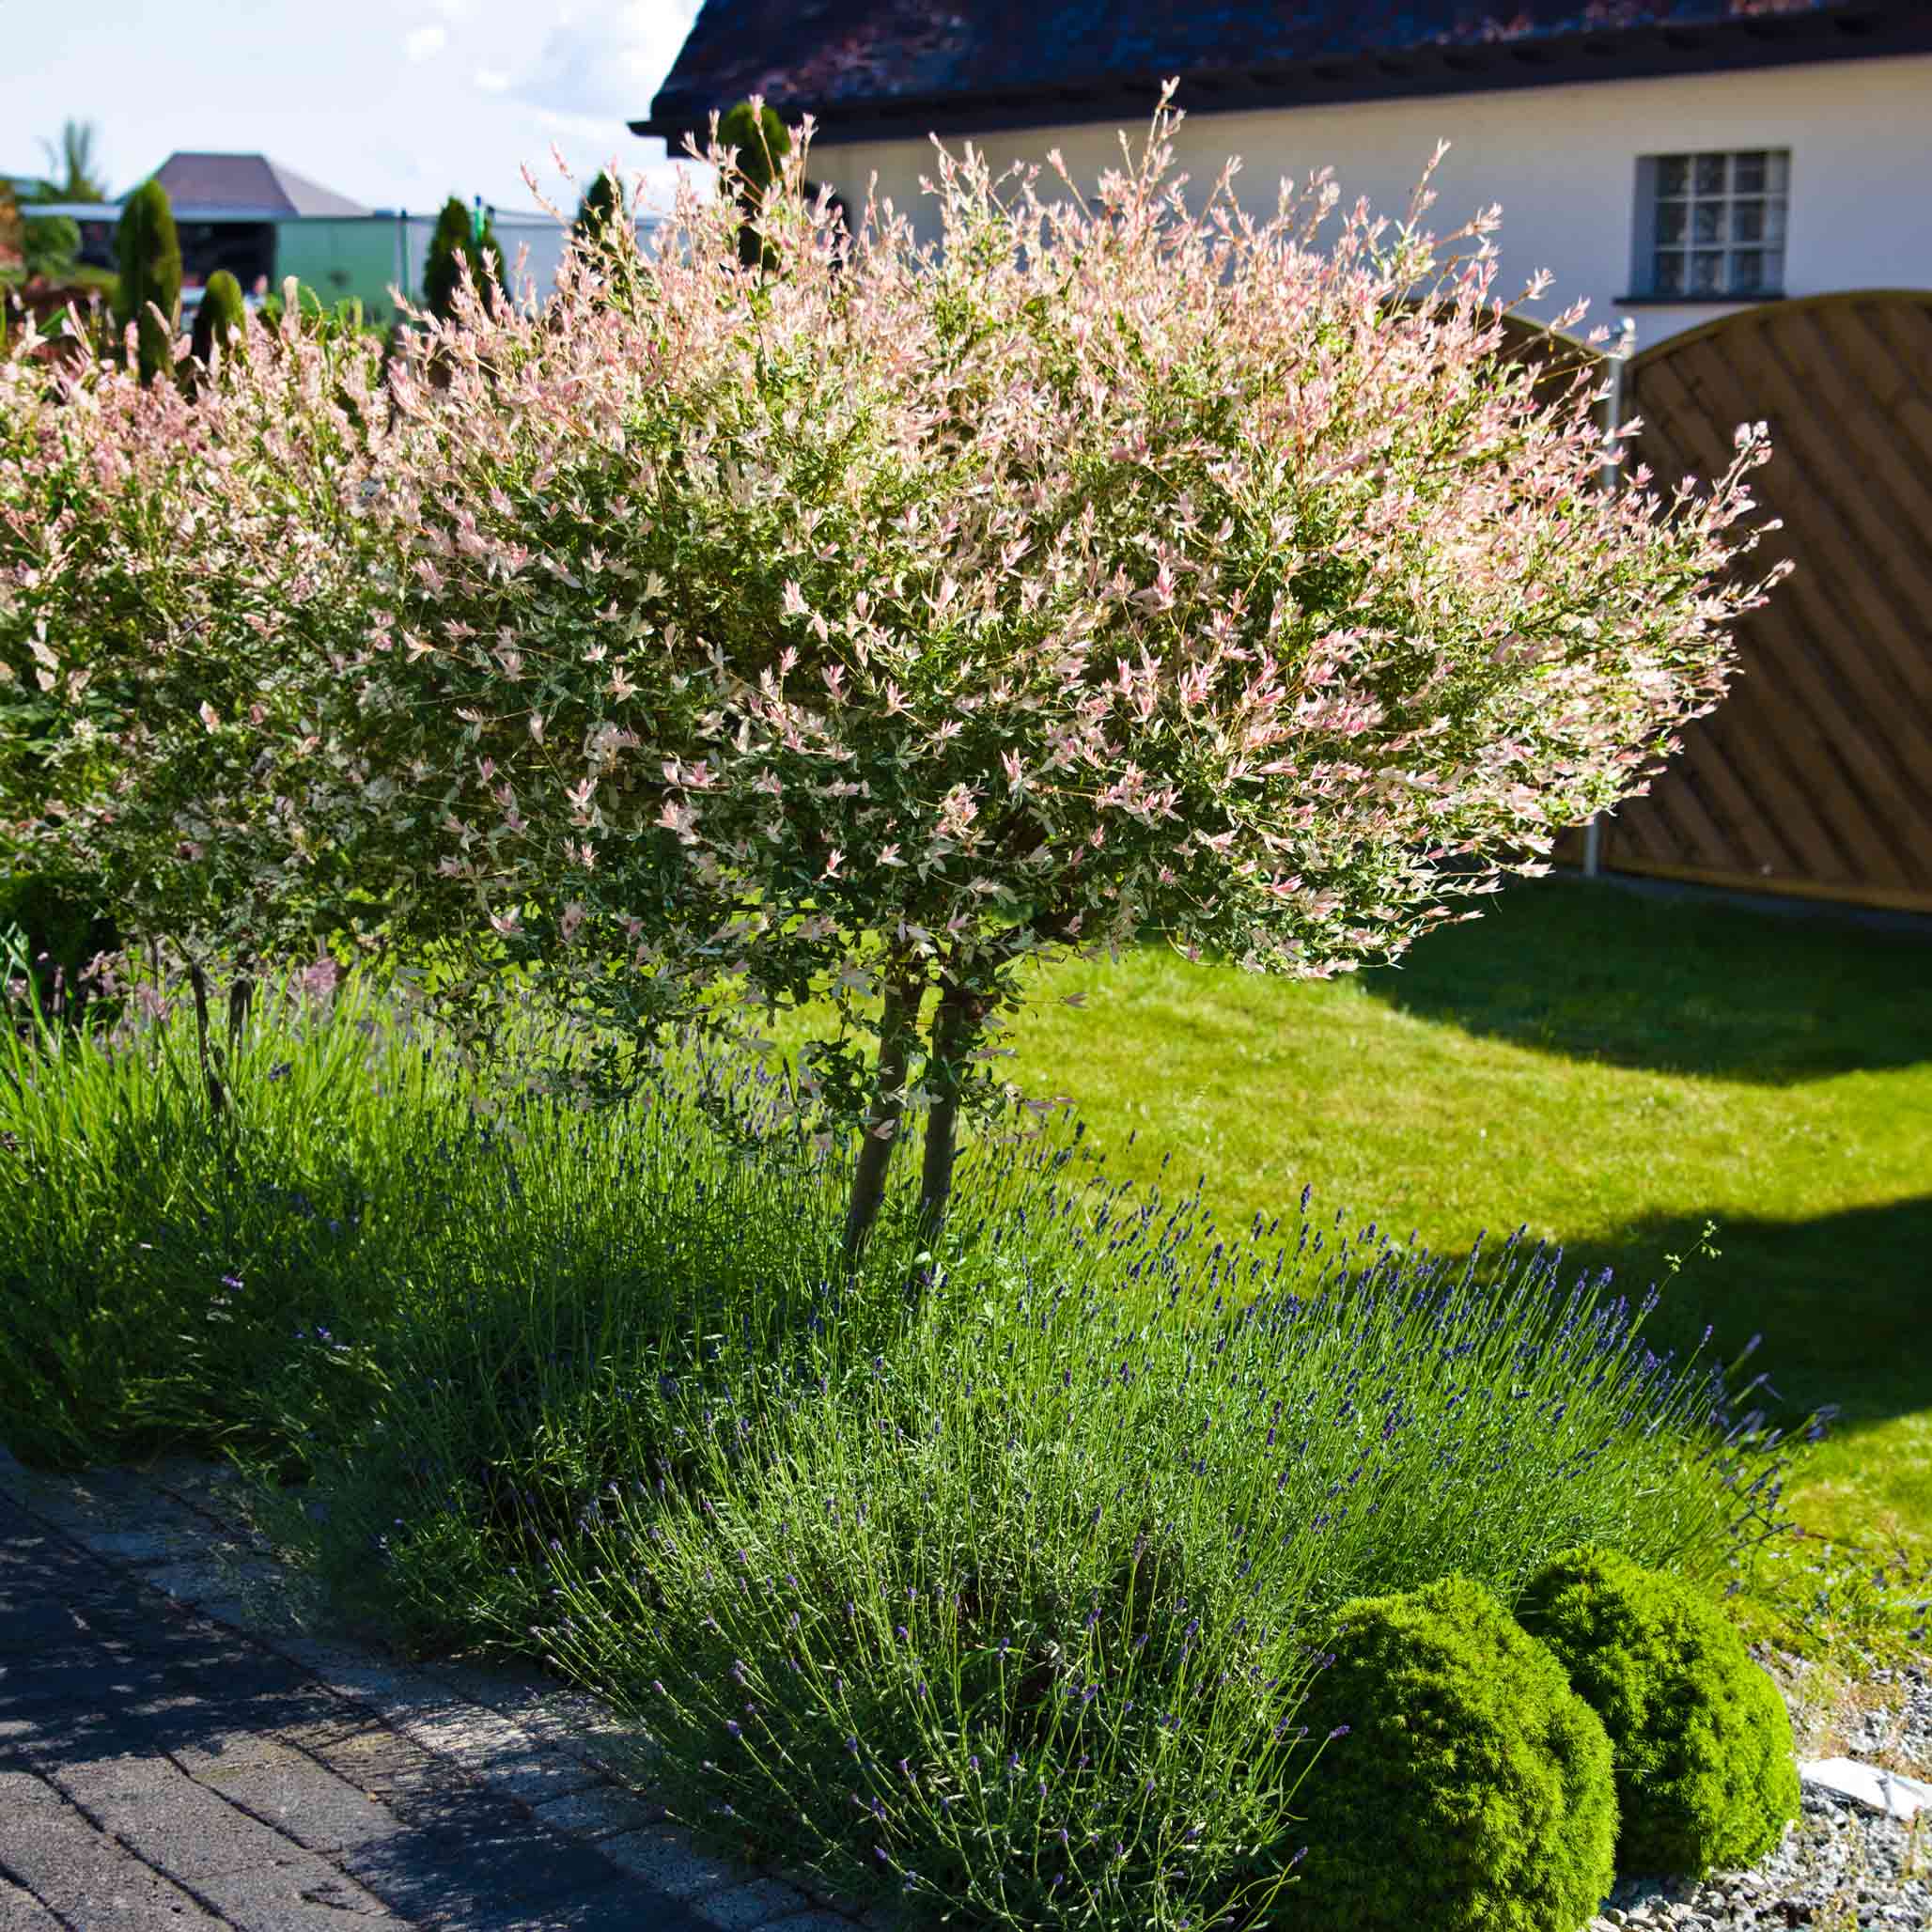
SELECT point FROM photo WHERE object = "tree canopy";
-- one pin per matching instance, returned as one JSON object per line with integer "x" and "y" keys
{"x": 856, "y": 630}
{"x": 71, "y": 166}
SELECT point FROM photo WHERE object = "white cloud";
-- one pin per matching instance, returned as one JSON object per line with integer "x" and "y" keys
{"x": 424, "y": 43}
{"x": 583, "y": 127}
{"x": 491, "y": 81}
{"x": 608, "y": 58}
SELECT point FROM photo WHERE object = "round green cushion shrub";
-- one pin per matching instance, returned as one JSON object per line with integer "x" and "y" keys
{"x": 1472, "y": 1787}
{"x": 1706, "y": 1774}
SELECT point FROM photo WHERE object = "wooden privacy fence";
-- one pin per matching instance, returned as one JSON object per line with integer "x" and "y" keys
{"x": 1814, "y": 776}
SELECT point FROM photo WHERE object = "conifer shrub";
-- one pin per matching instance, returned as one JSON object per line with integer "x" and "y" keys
{"x": 602, "y": 200}
{"x": 221, "y": 317}
{"x": 148, "y": 254}
{"x": 762, "y": 142}
{"x": 1463, "y": 1783}
{"x": 219, "y": 320}
{"x": 455, "y": 241}
{"x": 1706, "y": 1771}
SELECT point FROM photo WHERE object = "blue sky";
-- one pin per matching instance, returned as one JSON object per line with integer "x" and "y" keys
{"x": 396, "y": 102}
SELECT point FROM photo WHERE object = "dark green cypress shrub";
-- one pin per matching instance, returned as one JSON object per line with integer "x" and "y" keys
{"x": 602, "y": 201}
{"x": 1706, "y": 1771}
{"x": 762, "y": 143}
{"x": 222, "y": 316}
{"x": 1472, "y": 1787}
{"x": 148, "y": 255}
{"x": 453, "y": 242}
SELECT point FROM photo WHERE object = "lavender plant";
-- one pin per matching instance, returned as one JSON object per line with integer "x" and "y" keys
{"x": 852, "y": 628}
{"x": 1018, "y": 1615}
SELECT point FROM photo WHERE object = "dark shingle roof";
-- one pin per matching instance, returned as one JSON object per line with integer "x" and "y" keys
{"x": 245, "y": 185}
{"x": 900, "y": 67}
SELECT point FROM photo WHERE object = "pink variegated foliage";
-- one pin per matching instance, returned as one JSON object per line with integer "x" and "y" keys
{"x": 867, "y": 627}
{"x": 173, "y": 587}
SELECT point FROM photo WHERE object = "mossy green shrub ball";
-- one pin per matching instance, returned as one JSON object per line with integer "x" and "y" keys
{"x": 1472, "y": 1787}
{"x": 1706, "y": 1771}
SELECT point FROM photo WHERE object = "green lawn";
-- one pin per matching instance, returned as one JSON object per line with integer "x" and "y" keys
{"x": 1611, "y": 1069}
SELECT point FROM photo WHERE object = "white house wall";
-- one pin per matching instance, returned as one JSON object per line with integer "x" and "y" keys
{"x": 1560, "y": 160}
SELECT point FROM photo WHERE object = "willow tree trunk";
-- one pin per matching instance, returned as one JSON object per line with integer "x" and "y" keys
{"x": 217, "y": 1094}
{"x": 241, "y": 999}
{"x": 953, "y": 1028}
{"x": 897, "y": 1021}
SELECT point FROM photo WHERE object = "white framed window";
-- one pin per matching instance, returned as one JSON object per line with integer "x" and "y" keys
{"x": 1710, "y": 226}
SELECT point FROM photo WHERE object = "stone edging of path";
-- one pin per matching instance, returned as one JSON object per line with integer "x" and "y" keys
{"x": 558, "y": 1754}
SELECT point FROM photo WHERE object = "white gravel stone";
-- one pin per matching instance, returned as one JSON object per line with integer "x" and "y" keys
{"x": 1871, "y": 1788}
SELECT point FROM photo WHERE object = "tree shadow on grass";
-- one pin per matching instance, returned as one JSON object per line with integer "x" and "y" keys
{"x": 1672, "y": 986}
{"x": 1843, "y": 1301}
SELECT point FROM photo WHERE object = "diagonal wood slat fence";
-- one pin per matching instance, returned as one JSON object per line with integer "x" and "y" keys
{"x": 1814, "y": 776}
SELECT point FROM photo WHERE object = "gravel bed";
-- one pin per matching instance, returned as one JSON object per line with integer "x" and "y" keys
{"x": 1901, "y": 1737}
{"x": 1840, "y": 1868}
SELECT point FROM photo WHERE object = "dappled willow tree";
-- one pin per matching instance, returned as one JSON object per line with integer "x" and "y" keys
{"x": 858, "y": 629}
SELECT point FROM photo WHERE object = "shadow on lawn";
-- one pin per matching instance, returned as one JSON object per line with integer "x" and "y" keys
{"x": 1595, "y": 972}
{"x": 1843, "y": 1301}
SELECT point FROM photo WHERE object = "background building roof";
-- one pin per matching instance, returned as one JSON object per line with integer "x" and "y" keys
{"x": 884, "y": 68}
{"x": 203, "y": 187}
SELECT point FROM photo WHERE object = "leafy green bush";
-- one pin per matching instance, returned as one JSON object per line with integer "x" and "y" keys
{"x": 1465, "y": 1783}
{"x": 49, "y": 245}
{"x": 1706, "y": 1771}
{"x": 59, "y": 921}
{"x": 148, "y": 254}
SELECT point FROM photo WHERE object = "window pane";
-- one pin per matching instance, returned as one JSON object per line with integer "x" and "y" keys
{"x": 1706, "y": 221}
{"x": 1668, "y": 276}
{"x": 1673, "y": 174}
{"x": 1777, "y": 172}
{"x": 1669, "y": 221}
{"x": 1710, "y": 174}
{"x": 1774, "y": 220}
{"x": 1747, "y": 272}
{"x": 1707, "y": 271}
{"x": 1748, "y": 174}
{"x": 1747, "y": 220}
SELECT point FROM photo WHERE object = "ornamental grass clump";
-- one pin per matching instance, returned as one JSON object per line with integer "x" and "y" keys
{"x": 369, "y": 1225}
{"x": 1022, "y": 1612}
{"x": 848, "y": 629}
{"x": 1469, "y": 1788}
{"x": 1705, "y": 1770}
